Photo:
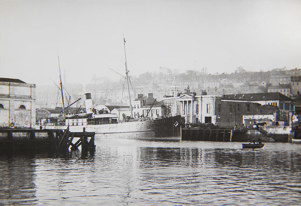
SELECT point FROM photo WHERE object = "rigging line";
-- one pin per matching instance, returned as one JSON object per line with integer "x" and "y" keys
{"x": 57, "y": 97}
{"x": 67, "y": 99}
{"x": 127, "y": 76}
{"x": 123, "y": 86}
{"x": 132, "y": 86}
{"x": 61, "y": 84}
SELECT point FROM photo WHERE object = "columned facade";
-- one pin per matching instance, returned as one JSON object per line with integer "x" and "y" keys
{"x": 188, "y": 108}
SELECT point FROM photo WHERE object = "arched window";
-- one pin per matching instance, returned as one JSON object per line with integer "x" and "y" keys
{"x": 22, "y": 107}
{"x": 1, "y": 106}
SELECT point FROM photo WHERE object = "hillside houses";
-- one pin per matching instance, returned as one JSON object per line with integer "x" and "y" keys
{"x": 246, "y": 91}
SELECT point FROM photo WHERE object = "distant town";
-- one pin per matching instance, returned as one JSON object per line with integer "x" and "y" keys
{"x": 105, "y": 91}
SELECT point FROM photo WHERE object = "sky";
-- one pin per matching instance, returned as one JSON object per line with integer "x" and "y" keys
{"x": 87, "y": 36}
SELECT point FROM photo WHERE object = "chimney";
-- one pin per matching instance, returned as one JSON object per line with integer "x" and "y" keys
{"x": 88, "y": 102}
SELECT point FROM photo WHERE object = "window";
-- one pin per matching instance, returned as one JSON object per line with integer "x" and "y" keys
{"x": 207, "y": 108}
{"x": 208, "y": 120}
{"x": 248, "y": 107}
{"x": 1, "y": 106}
{"x": 22, "y": 107}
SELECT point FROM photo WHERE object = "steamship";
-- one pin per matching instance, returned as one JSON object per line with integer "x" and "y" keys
{"x": 100, "y": 120}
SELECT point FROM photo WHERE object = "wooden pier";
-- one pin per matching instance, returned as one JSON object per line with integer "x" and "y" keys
{"x": 57, "y": 142}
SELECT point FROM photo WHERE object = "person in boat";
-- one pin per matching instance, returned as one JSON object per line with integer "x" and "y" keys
{"x": 259, "y": 141}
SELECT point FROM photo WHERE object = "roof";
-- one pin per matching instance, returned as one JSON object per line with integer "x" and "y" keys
{"x": 111, "y": 107}
{"x": 296, "y": 78}
{"x": 155, "y": 104}
{"x": 101, "y": 107}
{"x": 141, "y": 98}
{"x": 280, "y": 86}
{"x": 3, "y": 79}
{"x": 58, "y": 110}
{"x": 257, "y": 97}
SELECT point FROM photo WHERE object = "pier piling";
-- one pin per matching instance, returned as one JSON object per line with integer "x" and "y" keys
{"x": 57, "y": 142}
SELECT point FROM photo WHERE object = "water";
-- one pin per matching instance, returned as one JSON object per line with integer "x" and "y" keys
{"x": 135, "y": 172}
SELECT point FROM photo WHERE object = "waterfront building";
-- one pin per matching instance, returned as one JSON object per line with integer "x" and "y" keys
{"x": 284, "y": 105}
{"x": 207, "y": 108}
{"x": 188, "y": 106}
{"x": 224, "y": 113}
{"x": 17, "y": 103}
{"x": 171, "y": 104}
{"x": 148, "y": 106}
{"x": 277, "y": 99}
{"x": 235, "y": 110}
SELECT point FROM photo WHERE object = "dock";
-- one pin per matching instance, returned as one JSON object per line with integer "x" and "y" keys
{"x": 205, "y": 134}
{"x": 56, "y": 142}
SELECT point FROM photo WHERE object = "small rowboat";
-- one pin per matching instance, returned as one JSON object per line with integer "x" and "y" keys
{"x": 252, "y": 145}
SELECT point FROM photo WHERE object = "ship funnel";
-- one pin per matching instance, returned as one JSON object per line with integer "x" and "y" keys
{"x": 88, "y": 102}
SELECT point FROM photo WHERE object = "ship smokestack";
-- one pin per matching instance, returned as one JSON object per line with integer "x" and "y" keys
{"x": 88, "y": 102}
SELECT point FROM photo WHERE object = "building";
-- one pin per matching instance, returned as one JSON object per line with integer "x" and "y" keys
{"x": 296, "y": 85}
{"x": 188, "y": 106}
{"x": 277, "y": 99}
{"x": 284, "y": 89}
{"x": 234, "y": 110}
{"x": 278, "y": 105}
{"x": 170, "y": 102}
{"x": 289, "y": 85}
{"x": 17, "y": 103}
{"x": 279, "y": 78}
{"x": 207, "y": 108}
{"x": 121, "y": 112}
{"x": 224, "y": 113}
{"x": 148, "y": 106}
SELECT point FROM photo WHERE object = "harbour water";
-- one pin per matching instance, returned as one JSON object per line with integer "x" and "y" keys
{"x": 136, "y": 172}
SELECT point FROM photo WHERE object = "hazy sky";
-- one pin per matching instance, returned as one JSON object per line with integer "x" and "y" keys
{"x": 87, "y": 35}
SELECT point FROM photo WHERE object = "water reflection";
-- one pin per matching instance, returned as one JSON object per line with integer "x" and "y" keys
{"x": 17, "y": 174}
{"x": 198, "y": 157}
{"x": 130, "y": 172}
{"x": 208, "y": 176}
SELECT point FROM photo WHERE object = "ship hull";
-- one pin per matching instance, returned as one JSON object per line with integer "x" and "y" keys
{"x": 165, "y": 128}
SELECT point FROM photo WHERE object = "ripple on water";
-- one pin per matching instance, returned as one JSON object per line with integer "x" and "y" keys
{"x": 157, "y": 173}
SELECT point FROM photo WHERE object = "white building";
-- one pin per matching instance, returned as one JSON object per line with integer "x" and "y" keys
{"x": 207, "y": 110}
{"x": 17, "y": 108}
{"x": 188, "y": 106}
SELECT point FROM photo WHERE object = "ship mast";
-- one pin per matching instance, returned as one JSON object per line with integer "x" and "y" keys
{"x": 127, "y": 78}
{"x": 61, "y": 85}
